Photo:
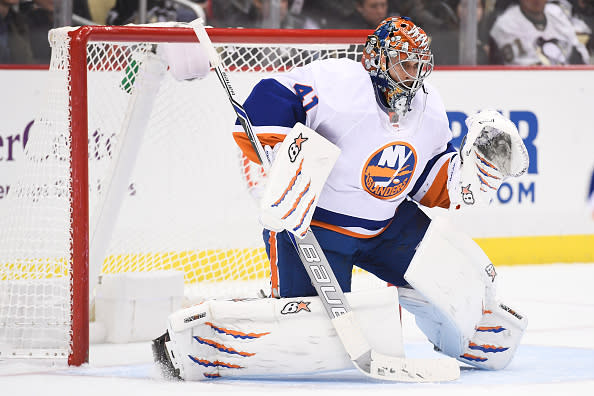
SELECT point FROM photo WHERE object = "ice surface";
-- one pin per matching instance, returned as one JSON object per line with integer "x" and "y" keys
{"x": 556, "y": 356}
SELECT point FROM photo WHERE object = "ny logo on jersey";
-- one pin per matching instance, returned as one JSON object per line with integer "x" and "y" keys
{"x": 389, "y": 170}
{"x": 295, "y": 147}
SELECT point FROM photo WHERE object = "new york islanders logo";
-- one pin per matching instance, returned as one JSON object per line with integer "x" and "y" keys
{"x": 389, "y": 170}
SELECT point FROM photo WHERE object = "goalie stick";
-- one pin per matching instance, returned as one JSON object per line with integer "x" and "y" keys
{"x": 368, "y": 361}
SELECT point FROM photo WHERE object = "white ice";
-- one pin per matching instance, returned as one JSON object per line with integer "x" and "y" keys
{"x": 556, "y": 356}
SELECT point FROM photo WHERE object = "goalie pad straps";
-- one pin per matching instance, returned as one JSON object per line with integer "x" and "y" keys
{"x": 491, "y": 152}
{"x": 296, "y": 178}
{"x": 266, "y": 337}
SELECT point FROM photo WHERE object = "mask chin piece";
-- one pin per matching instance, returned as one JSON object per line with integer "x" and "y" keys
{"x": 402, "y": 105}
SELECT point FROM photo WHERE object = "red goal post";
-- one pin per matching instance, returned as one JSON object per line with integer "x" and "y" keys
{"x": 77, "y": 157}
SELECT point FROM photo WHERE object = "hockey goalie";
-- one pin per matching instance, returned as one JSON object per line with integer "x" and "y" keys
{"x": 357, "y": 149}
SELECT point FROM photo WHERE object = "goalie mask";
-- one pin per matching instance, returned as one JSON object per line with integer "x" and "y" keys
{"x": 398, "y": 58}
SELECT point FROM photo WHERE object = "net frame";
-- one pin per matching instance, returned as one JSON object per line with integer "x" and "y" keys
{"x": 79, "y": 150}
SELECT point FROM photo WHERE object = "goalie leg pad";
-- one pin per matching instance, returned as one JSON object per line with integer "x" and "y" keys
{"x": 454, "y": 291}
{"x": 275, "y": 336}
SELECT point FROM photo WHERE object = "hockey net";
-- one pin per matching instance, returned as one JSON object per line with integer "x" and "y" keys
{"x": 172, "y": 193}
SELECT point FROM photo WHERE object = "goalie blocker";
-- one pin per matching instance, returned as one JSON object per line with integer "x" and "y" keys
{"x": 300, "y": 167}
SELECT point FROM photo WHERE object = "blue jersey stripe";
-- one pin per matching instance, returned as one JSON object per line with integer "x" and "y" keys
{"x": 449, "y": 149}
{"x": 273, "y": 104}
{"x": 343, "y": 220}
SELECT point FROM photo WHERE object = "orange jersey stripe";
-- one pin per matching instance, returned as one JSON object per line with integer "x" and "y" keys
{"x": 437, "y": 195}
{"x": 267, "y": 139}
{"x": 273, "y": 265}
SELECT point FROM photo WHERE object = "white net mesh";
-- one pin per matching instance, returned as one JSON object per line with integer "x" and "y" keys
{"x": 186, "y": 206}
{"x": 34, "y": 233}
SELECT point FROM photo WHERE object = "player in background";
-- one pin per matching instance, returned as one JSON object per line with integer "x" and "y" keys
{"x": 535, "y": 32}
{"x": 395, "y": 156}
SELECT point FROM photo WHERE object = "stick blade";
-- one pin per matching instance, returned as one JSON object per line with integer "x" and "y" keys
{"x": 403, "y": 369}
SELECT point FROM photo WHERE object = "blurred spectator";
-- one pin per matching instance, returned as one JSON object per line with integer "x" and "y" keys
{"x": 265, "y": 18}
{"x": 440, "y": 22}
{"x": 99, "y": 9}
{"x": 258, "y": 14}
{"x": 402, "y": 7}
{"x": 581, "y": 15}
{"x": 14, "y": 34}
{"x": 584, "y": 9}
{"x": 40, "y": 19}
{"x": 535, "y": 33}
{"x": 80, "y": 8}
{"x": 502, "y": 5}
{"x": 328, "y": 14}
{"x": 232, "y": 13}
{"x": 126, "y": 11}
{"x": 368, "y": 14}
{"x": 483, "y": 27}
{"x": 434, "y": 15}
{"x": 185, "y": 14}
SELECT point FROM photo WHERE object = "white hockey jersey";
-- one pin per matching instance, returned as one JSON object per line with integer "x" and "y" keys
{"x": 381, "y": 163}
{"x": 520, "y": 42}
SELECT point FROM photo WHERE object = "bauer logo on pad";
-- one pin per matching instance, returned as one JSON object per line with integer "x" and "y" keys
{"x": 295, "y": 147}
{"x": 295, "y": 306}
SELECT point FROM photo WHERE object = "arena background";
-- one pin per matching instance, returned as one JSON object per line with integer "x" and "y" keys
{"x": 541, "y": 217}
